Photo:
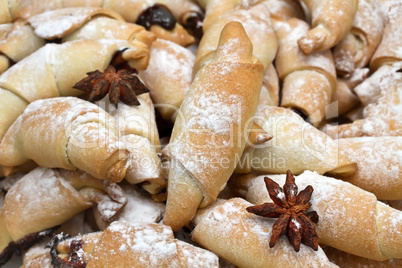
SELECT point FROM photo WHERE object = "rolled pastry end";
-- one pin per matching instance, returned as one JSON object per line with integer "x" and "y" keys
{"x": 117, "y": 171}
{"x": 183, "y": 197}
{"x": 314, "y": 40}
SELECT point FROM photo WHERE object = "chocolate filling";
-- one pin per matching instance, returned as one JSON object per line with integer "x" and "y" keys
{"x": 194, "y": 25}
{"x": 75, "y": 257}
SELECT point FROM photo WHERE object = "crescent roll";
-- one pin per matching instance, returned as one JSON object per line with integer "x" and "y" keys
{"x": 351, "y": 219}
{"x": 303, "y": 77}
{"x": 53, "y": 70}
{"x": 66, "y": 132}
{"x": 45, "y": 198}
{"x": 129, "y": 244}
{"x": 211, "y": 126}
{"x": 379, "y": 165}
{"x": 331, "y": 21}
{"x": 356, "y": 49}
{"x": 296, "y": 145}
{"x": 242, "y": 238}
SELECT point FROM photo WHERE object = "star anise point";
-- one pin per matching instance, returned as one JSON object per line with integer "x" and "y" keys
{"x": 122, "y": 85}
{"x": 290, "y": 208}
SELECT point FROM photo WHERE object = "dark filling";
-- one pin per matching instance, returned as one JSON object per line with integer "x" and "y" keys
{"x": 119, "y": 63}
{"x": 157, "y": 14}
{"x": 53, "y": 41}
{"x": 301, "y": 113}
{"x": 194, "y": 25}
{"x": 75, "y": 257}
{"x": 24, "y": 244}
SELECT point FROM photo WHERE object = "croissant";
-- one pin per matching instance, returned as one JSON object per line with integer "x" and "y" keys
{"x": 256, "y": 24}
{"x": 356, "y": 49}
{"x": 168, "y": 76}
{"x": 361, "y": 226}
{"x": 139, "y": 133}
{"x": 73, "y": 24}
{"x": 286, "y": 9}
{"x": 185, "y": 11}
{"x": 64, "y": 193}
{"x": 242, "y": 238}
{"x": 66, "y": 132}
{"x": 303, "y": 77}
{"x": 53, "y": 70}
{"x": 387, "y": 51}
{"x": 214, "y": 114}
{"x": 379, "y": 169}
{"x": 128, "y": 244}
{"x": 381, "y": 118}
{"x": 331, "y": 21}
{"x": 296, "y": 145}
{"x": 344, "y": 259}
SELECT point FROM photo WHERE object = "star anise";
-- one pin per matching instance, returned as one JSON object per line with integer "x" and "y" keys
{"x": 290, "y": 207}
{"x": 121, "y": 85}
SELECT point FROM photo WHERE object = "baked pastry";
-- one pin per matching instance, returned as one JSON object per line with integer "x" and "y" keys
{"x": 376, "y": 226}
{"x": 255, "y": 22}
{"x": 128, "y": 244}
{"x": 379, "y": 165}
{"x": 215, "y": 113}
{"x": 138, "y": 131}
{"x": 296, "y": 145}
{"x": 138, "y": 11}
{"x": 168, "y": 76}
{"x": 286, "y": 9}
{"x": 380, "y": 118}
{"x": 303, "y": 77}
{"x": 65, "y": 194}
{"x": 242, "y": 238}
{"x": 66, "y": 132}
{"x": 53, "y": 70}
{"x": 355, "y": 50}
{"x": 331, "y": 21}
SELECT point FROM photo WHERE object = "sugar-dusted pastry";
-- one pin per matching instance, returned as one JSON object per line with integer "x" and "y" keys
{"x": 270, "y": 88}
{"x": 355, "y": 50}
{"x": 350, "y": 219}
{"x": 18, "y": 42}
{"x": 304, "y": 77}
{"x": 380, "y": 118}
{"x": 253, "y": 17}
{"x": 346, "y": 260}
{"x": 344, "y": 98}
{"x": 286, "y": 9}
{"x": 138, "y": 131}
{"x": 45, "y": 198}
{"x": 242, "y": 238}
{"x": 331, "y": 21}
{"x": 53, "y": 70}
{"x": 66, "y": 132}
{"x": 296, "y": 145}
{"x": 211, "y": 126}
{"x": 168, "y": 76}
{"x": 130, "y": 244}
{"x": 388, "y": 51}
{"x": 379, "y": 165}
{"x": 160, "y": 17}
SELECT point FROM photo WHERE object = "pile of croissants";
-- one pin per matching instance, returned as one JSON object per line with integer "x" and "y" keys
{"x": 239, "y": 90}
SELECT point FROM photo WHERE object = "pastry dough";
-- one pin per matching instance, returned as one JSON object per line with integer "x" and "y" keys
{"x": 53, "y": 70}
{"x": 296, "y": 145}
{"x": 356, "y": 49}
{"x": 379, "y": 165}
{"x": 139, "y": 133}
{"x": 303, "y": 77}
{"x": 242, "y": 238}
{"x": 256, "y": 24}
{"x": 168, "y": 76}
{"x": 133, "y": 244}
{"x": 69, "y": 133}
{"x": 211, "y": 125}
{"x": 381, "y": 118}
{"x": 350, "y": 219}
{"x": 65, "y": 194}
{"x": 331, "y": 21}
